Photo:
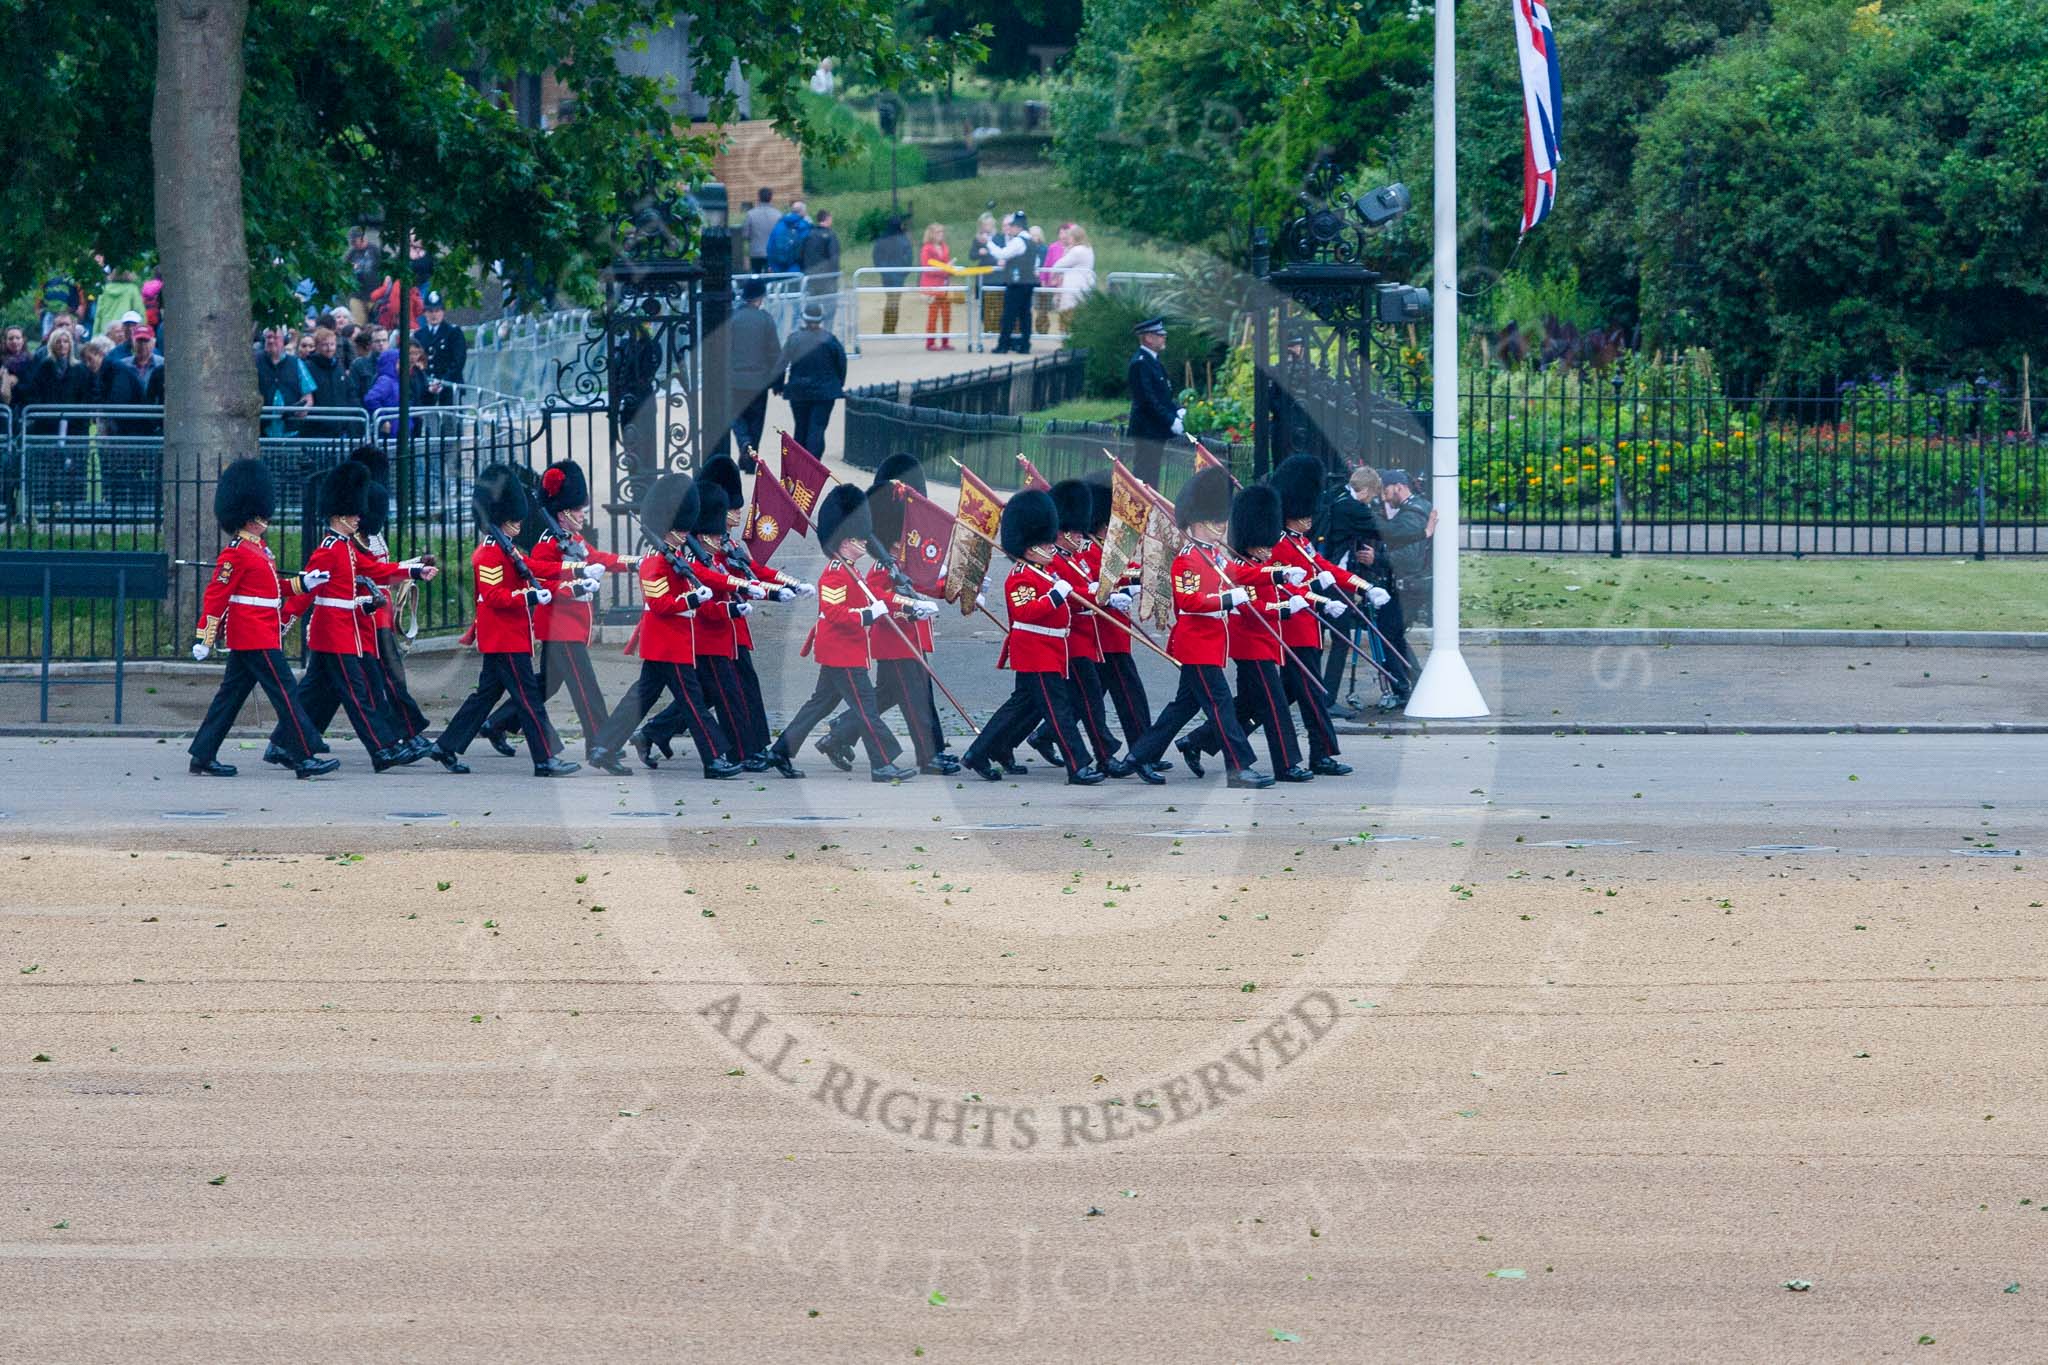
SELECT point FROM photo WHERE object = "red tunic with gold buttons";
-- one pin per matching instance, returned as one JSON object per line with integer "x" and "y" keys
{"x": 504, "y": 600}
{"x": 1083, "y": 641}
{"x": 565, "y": 618}
{"x": 667, "y": 633}
{"x": 1302, "y": 630}
{"x": 907, "y": 638}
{"x": 338, "y": 625}
{"x": 243, "y": 607}
{"x": 1248, "y": 639}
{"x": 1200, "y": 634}
{"x": 1112, "y": 640}
{"x": 717, "y": 621}
{"x": 841, "y": 637}
{"x": 1039, "y": 626}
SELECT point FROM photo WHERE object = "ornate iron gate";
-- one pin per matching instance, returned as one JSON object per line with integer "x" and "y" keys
{"x": 1339, "y": 393}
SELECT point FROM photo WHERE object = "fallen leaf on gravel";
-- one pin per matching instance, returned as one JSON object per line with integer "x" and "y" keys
{"x": 218, "y": 1180}
{"x": 1799, "y": 1286}
{"x": 2012, "y": 1288}
{"x": 1507, "y": 1274}
{"x": 1094, "y": 1212}
{"x": 1279, "y": 1335}
{"x": 936, "y": 1299}
{"x": 40, "y": 1057}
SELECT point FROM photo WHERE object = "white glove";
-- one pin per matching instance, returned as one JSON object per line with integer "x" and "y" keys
{"x": 923, "y": 610}
{"x": 697, "y": 597}
{"x": 1121, "y": 600}
{"x": 871, "y": 614}
{"x": 756, "y": 591}
{"x": 1379, "y": 597}
{"x": 785, "y": 594}
{"x": 1326, "y": 580}
{"x": 1179, "y": 413}
{"x": 541, "y": 596}
{"x": 200, "y": 651}
{"x": 981, "y": 601}
{"x": 1059, "y": 590}
{"x": 365, "y": 602}
{"x": 314, "y": 578}
{"x": 592, "y": 571}
{"x": 1234, "y": 598}
{"x": 805, "y": 589}
{"x": 1333, "y": 609}
{"x": 742, "y": 608}
{"x": 584, "y": 589}
{"x": 1179, "y": 427}
{"x": 1094, "y": 588}
{"x": 1293, "y": 575}
{"x": 1291, "y": 605}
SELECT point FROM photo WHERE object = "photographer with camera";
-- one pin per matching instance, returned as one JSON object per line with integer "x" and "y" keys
{"x": 1353, "y": 536}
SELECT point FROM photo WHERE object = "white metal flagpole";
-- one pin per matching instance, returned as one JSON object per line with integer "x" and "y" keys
{"x": 1445, "y": 691}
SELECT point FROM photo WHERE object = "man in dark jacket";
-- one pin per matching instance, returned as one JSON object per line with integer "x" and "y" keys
{"x": 893, "y": 249}
{"x": 447, "y": 351}
{"x": 1350, "y": 535}
{"x": 1016, "y": 259}
{"x": 821, "y": 262}
{"x": 813, "y": 376}
{"x": 280, "y": 382}
{"x": 1407, "y": 534}
{"x": 137, "y": 381}
{"x": 756, "y": 364}
{"x": 331, "y": 387}
{"x": 1155, "y": 419}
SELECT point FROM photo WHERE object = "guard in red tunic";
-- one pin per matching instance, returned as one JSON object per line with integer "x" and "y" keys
{"x": 1079, "y": 561}
{"x": 387, "y": 675}
{"x": 1121, "y": 680}
{"x": 666, "y": 640}
{"x": 1299, "y": 482}
{"x": 508, "y": 589}
{"x": 1036, "y": 647}
{"x": 733, "y": 597}
{"x": 845, "y": 611}
{"x": 1255, "y": 636}
{"x": 734, "y": 558}
{"x": 243, "y": 612}
{"x": 899, "y": 640}
{"x": 1203, "y": 599}
{"x": 563, "y": 624}
{"x": 341, "y": 631}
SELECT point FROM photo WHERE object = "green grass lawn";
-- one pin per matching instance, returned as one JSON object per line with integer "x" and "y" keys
{"x": 1653, "y": 591}
{"x": 1086, "y": 410}
{"x": 957, "y": 203}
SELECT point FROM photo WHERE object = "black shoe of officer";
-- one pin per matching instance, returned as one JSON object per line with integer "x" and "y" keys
{"x": 1084, "y": 777}
{"x": 496, "y": 739}
{"x": 1190, "y": 755}
{"x": 985, "y": 770}
{"x": 723, "y": 769}
{"x": 891, "y": 772}
{"x": 841, "y": 755}
{"x": 273, "y": 754}
{"x": 414, "y": 749}
{"x": 1297, "y": 773}
{"x": 446, "y": 759}
{"x": 646, "y": 751}
{"x": 1251, "y": 778}
{"x": 940, "y": 765}
{"x": 607, "y": 760}
{"x": 664, "y": 746}
{"x": 1047, "y": 750}
{"x": 1152, "y": 774}
{"x": 1119, "y": 767}
{"x": 213, "y": 767}
{"x": 384, "y": 759}
{"x": 1012, "y": 768}
{"x": 782, "y": 763}
{"x": 754, "y": 763}
{"x": 315, "y": 767}
{"x": 556, "y": 767}
{"x": 1329, "y": 767}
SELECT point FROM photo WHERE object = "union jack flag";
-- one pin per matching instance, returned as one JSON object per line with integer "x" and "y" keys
{"x": 1542, "y": 94}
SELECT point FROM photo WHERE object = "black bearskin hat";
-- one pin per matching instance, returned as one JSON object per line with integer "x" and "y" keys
{"x": 1102, "y": 500}
{"x": 671, "y": 505}
{"x": 345, "y": 491}
{"x": 376, "y": 509}
{"x": 500, "y": 496}
{"x": 1075, "y": 505}
{"x": 843, "y": 516}
{"x": 375, "y": 460}
{"x": 725, "y": 474}
{"x": 243, "y": 494}
{"x": 563, "y": 487}
{"x": 1029, "y": 519}
{"x": 1204, "y": 497}
{"x": 885, "y": 509}
{"x": 1255, "y": 520}
{"x": 711, "y": 505}
{"x": 1299, "y": 482}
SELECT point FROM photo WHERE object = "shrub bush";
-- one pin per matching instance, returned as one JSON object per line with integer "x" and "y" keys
{"x": 1102, "y": 324}
{"x": 866, "y": 164}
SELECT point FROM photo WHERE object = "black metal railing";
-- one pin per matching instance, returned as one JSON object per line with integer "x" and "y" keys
{"x": 996, "y": 390}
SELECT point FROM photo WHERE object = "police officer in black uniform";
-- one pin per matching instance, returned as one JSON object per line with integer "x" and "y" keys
{"x": 812, "y": 377}
{"x": 1155, "y": 418}
{"x": 447, "y": 351}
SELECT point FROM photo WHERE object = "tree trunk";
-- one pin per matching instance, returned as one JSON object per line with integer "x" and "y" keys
{"x": 210, "y": 401}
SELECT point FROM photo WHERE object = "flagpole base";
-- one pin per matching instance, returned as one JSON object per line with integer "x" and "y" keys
{"x": 1445, "y": 691}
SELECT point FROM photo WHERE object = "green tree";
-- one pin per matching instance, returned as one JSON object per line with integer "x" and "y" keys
{"x": 1023, "y": 36}
{"x": 1854, "y": 189}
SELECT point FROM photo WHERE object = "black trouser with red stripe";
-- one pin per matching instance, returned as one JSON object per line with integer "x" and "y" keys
{"x": 389, "y": 685}
{"x": 1085, "y": 684}
{"x": 1204, "y": 691}
{"x": 562, "y": 662}
{"x": 1304, "y": 691}
{"x": 755, "y": 741}
{"x": 1126, "y": 691}
{"x": 719, "y": 678}
{"x": 1261, "y": 700}
{"x": 686, "y": 712}
{"x": 247, "y": 670}
{"x": 837, "y": 685}
{"x": 504, "y": 675}
{"x": 342, "y": 681}
{"x": 1036, "y": 697}
{"x": 900, "y": 683}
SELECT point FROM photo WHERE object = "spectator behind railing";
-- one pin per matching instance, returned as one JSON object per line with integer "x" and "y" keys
{"x": 137, "y": 381}
{"x": 937, "y": 285}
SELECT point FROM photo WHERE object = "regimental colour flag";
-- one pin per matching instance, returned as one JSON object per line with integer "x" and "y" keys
{"x": 1542, "y": 98}
{"x": 925, "y": 545}
{"x": 977, "y": 527}
{"x": 771, "y": 519}
{"x": 1032, "y": 478}
{"x": 804, "y": 478}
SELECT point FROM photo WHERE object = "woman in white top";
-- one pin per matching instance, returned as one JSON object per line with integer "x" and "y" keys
{"x": 1077, "y": 271}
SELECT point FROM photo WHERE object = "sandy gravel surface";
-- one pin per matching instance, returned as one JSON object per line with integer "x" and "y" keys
{"x": 857, "y": 1093}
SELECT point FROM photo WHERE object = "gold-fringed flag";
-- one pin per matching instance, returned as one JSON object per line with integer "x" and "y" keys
{"x": 804, "y": 478}
{"x": 1205, "y": 460}
{"x": 772, "y": 518}
{"x": 1129, "y": 509}
{"x": 977, "y": 528}
{"x": 923, "y": 548}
